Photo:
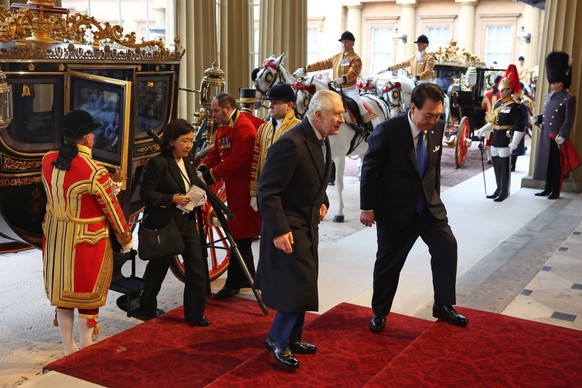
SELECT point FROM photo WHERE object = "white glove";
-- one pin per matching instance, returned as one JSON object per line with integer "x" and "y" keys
{"x": 299, "y": 73}
{"x": 125, "y": 248}
{"x": 116, "y": 187}
{"x": 339, "y": 81}
{"x": 254, "y": 204}
{"x": 560, "y": 140}
{"x": 517, "y": 136}
{"x": 382, "y": 71}
{"x": 199, "y": 175}
{"x": 479, "y": 133}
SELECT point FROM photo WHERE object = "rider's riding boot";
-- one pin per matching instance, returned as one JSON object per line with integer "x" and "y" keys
{"x": 504, "y": 172}
{"x": 496, "y": 165}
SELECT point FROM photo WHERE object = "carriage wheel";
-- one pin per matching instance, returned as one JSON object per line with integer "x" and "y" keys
{"x": 463, "y": 142}
{"x": 218, "y": 248}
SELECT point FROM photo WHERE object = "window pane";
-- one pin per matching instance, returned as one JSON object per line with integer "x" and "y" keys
{"x": 498, "y": 45}
{"x": 438, "y": 36}
{"x": 382, "y": 49}
{"x": 312, "y": 44}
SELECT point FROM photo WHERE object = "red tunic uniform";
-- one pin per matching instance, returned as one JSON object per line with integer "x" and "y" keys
{"x": 80, "y": 210}
{"x": 230, "y": 160}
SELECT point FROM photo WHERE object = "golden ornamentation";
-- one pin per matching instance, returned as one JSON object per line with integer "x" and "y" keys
{"x": 9, "y": 164}
{"x": 11, "y": 182}
{"x": 147, "y": 149}
{"x": 453, "y": 55}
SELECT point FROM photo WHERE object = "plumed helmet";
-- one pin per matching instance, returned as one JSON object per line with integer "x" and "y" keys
{"x": 558, "y": 68}
{"x": 77, "y": 123}
{"x": 510, "y": 80}
{"x": 283, "y": 92}
{"x": 347, "y": 36}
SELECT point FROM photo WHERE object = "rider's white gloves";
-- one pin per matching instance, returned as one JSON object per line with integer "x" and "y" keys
{"x": 560, "y": 140}
{"x": 339, "y": 81}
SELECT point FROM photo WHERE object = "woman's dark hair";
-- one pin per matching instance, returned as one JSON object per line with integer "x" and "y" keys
{"x": 172, "y": 131}
{"x": 427, "y": 91}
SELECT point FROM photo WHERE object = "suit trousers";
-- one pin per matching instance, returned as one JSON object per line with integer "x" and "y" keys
{"x": 287, "y": 328}
{"x": 553, "y": 177}
{"x": 394, "y": 244}
{"x": 195, "y": 287}
{"x": 236, "y": 278}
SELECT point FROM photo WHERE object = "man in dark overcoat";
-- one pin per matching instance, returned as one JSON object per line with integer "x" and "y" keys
{"x": 400, "y": 191}
{"x": 292, "y": 202}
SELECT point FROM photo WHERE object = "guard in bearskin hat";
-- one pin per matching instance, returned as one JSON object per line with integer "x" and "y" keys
{"x": 508, "y": 126}
{"x": 555, "y": 154}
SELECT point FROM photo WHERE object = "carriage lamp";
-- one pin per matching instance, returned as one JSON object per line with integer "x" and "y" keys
{"x": 396, "y": 37}
{"x": 471, "y": 76}
{"x": 5, "y": 101}
{"x": 523, "y": 37}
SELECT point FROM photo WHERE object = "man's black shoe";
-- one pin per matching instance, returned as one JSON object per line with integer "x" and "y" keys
{"x": 542, "y": 194}
{"x": 283, "y": 356}
{"x": 494, "y": 195}
{"x": 226, "y": 293}
{"x": 303, "y": 348}
{"x": 449, "y": 314}
{"x": 198, "y": 322}
{"x": 553, "y": 196}
{"x": 378, "y": 323}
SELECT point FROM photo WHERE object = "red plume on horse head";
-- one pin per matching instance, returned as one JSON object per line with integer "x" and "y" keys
{"x": 510, "y": 80}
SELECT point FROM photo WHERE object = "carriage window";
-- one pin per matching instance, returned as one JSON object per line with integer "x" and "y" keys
{"x": 33, "y": 111}
{"x": 497, "y": 46}
{"x": 105, "y": 108}
{"x": 153, "y": 102}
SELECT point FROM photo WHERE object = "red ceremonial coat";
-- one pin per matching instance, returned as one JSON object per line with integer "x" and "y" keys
{"x": 230, "y": 160}
{"x": 80, "y": 211}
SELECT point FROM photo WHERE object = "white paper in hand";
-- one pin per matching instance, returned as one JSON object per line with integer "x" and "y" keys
{"x": 198, "y": 198}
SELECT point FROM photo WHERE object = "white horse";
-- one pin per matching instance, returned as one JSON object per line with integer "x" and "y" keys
{"x": 347, "y": 142}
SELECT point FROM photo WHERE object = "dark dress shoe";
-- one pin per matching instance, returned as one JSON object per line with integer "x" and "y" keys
{"x": 303, "y": 348}
{"x": 553, "y": 196}
{"x": 494, "y": 195}
{"x": 283, "y": 356}
{"x": 449, "y": 314}
{"x": 226, "y": 293}
{"x": 378, "y": 323}
{"x": 501, "y": 197}
{"x": 542, "y": 194}
{"x": 198, "y": 322}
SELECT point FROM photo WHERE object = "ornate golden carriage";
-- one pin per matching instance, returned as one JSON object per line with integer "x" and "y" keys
{"x": 53, "y": 62}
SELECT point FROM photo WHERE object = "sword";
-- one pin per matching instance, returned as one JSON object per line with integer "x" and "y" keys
{"x": 482, "y": 149}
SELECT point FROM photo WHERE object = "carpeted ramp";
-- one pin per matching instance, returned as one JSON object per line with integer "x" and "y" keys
{"x": 494, "y": 350}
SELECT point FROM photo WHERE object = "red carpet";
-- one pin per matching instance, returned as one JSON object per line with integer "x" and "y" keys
{"x": 495, "y": 350}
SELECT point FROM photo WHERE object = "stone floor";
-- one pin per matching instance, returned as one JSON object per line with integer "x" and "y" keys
{"x": 521, "y": 257}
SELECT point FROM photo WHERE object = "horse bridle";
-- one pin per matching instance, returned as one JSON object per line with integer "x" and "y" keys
{"x": 310, "y": 89}
{"x": 395, "y": 88}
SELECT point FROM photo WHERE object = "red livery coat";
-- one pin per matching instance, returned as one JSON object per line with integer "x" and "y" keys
{"x": 230, "y": 160}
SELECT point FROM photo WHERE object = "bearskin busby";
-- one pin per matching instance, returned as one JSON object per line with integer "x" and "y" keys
{"x": 558, "y": 68}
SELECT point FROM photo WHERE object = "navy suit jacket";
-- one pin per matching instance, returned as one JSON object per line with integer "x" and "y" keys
{"x": 390, "y": 183}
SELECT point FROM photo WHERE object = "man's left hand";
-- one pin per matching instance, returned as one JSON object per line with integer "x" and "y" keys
{"x": 339, "y": 81}
{"x": 560, "y": 140}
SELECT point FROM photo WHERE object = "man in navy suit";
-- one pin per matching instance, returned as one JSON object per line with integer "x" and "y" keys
{"x": 292, "y": 202}
{"x": 400, "y": 191}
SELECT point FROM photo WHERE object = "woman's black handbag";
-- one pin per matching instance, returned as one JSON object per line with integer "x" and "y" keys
{"x": 159, "y": 241}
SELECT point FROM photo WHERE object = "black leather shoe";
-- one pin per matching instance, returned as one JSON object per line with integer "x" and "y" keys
{"x": 226, "y": 293}
{"x": 283, "y": 356}
{"x": 303, "y": 348}
{"x": 198, "y": 322}
{"x": 553, "y": 196}
{"x": 449, "y": 314}
{"x": 542, "y": 194}
{"x": 378, "y": 323}
{"x": 494, "y": 195}
{"x": 501, "y": 197}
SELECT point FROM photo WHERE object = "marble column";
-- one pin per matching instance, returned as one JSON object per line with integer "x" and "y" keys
{"x": 283, "y": 29}
{"x": 466, "y": 39}
{"x": 354, "y": 21}
{"x": 196, "y": 27}
{"x": 406, "y": 25}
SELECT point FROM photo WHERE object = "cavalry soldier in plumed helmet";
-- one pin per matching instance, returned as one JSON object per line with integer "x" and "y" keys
{"x": 346, "y": 67}
{"x": 508, "y": 125}
{"x": 558, "y": 119}
{"x": 421, "y": 65}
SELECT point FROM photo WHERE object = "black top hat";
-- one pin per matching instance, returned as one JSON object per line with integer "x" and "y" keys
{"x": 558, "y": 68}
{"x": 283, "y": 92}
{"x": 347, "y": 36}
{"x": 247, "y": 96}
{"x": 77, "y": 123}
{"x": 422, "y": 39}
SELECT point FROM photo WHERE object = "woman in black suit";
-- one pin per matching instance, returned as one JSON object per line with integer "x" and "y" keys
{"x": 164, "y": 185}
